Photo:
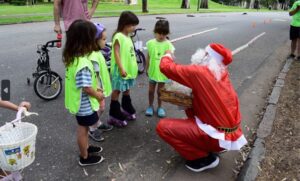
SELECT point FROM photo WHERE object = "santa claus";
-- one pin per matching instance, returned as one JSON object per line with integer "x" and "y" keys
{"x": 214, "y": 122}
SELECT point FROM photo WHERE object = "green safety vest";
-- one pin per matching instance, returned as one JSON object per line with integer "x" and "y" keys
{"x": 103, "y": 73}
{"x": 296, "y": 17}
{"x": 156, "y": 50}
{"x": 72, "y": 93}
{"x": 127, "y": 56}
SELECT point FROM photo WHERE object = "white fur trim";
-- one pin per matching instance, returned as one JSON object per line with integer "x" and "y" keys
{"x": 214, "y": 54}
{"x": 214, "y": 133}
{"x": 233, "y": 145}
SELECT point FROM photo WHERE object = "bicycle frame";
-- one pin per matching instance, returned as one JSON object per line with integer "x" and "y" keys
{"x": 44, "y": 59}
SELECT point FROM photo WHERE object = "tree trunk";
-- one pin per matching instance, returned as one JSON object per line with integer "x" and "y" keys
{"x": 251, "y": 6}
{"x": 145, "y": 6}
{"x": 204, "y": 4}
{"x": 185, "y": 4}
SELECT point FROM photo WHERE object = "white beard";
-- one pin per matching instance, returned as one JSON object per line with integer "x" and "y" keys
{"x": 203, "y": 59}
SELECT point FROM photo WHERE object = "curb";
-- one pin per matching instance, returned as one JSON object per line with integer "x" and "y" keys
{"x": 251, "y": 168}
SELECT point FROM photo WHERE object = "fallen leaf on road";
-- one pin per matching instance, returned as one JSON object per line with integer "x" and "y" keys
{"x": 85, "y": 172}
{"x": 121, "y": 167}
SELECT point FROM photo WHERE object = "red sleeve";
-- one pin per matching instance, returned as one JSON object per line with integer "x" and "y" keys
{"x": 179, "y": 73}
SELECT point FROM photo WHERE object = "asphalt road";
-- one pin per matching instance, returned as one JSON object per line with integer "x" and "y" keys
{"x": 137, "y": 147}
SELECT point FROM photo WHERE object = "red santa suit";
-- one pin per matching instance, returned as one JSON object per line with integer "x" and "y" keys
{"x": 214, "y": 122}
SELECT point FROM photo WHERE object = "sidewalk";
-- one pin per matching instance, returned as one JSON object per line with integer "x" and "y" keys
{"x": 275, "y": 154}
{"x": 282, "y": 158}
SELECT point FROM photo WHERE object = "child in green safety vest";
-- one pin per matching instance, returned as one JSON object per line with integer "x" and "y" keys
{"x": 156, "y": 49}
{"x": 81, "y": 95}
{"x": 124, "y": 70}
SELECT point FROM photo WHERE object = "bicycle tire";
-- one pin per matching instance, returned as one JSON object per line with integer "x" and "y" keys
{"x": 40, "y": 79}
{"x": 141, "y": 61}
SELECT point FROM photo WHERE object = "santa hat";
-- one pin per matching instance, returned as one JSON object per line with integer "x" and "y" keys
{"x": 219, "y": 53}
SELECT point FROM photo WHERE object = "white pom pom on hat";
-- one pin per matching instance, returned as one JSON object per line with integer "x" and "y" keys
{"x": 220, "y": 53}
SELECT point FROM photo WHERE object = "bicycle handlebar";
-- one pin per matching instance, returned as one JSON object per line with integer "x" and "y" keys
{"x": 51, "y": 43}
{"x": 136, "y": 30}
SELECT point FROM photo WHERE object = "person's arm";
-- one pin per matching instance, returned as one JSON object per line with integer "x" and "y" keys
{"x": 93, "y": 8}
{"x": 118, "y": 59}
{"x": 14, "y": 107}
{"x": 96, "y": 94}
{"x": 147, "y": 63}
{"x": 182, "y": 74}
{"x": 84, "y": 81}
{"x": 56, "y": 14}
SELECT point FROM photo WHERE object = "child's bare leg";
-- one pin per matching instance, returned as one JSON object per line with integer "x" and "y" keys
{"x": 115, "y": 95}
{"x": 151, "y": 91}
{"x": 82, "y": 140}
{"x": 159, "y": 87}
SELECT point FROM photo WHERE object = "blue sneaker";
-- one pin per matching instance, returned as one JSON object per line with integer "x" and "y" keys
{"x": 149, "y": 111}
{"x": 161, "y": 112}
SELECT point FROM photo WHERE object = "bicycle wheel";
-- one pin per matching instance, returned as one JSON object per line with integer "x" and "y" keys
{"x": 48, "y": 85}
{"x": 141, "y": 60}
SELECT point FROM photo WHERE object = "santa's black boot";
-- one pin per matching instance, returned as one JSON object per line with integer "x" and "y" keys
{"x": 116, "y": 117}
{"x": 127, "y": 107}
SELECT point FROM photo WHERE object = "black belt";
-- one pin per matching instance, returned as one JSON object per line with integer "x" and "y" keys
{"x": 228, "y": 130}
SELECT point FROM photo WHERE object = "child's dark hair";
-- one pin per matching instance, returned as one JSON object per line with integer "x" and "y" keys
{"x": 126, "y": 18}
{"x": 162, "y": 27}
{"x": 80, "y": 40}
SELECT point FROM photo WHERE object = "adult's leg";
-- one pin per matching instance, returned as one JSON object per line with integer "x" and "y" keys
{"x": 298, "y": 46}
{"x": 187, "y": 139}
{"x": 293, "y": 46}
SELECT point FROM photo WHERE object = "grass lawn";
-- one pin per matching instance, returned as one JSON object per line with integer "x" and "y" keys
{"x": 44, "y": 12}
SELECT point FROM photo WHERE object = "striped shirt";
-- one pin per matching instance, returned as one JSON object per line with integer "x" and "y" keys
{"x": 84, "y": 79}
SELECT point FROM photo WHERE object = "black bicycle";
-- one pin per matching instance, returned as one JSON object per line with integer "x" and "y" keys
{"x": 140, "y": 57}
{"x": 47, "y": 84}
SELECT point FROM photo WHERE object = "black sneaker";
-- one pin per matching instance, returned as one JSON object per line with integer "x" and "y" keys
{"x": 105, "y": 127}
{"x": 291, "y": 56}
{"x": 201, "y": 164}
{"x": 96, "y": 135}
{"x": 90, "y": 160}
{"x": 94, "y": 149}
{"x": 298, "y": 59}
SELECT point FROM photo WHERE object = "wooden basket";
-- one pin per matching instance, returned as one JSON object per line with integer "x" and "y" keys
{"x": 176, "y": 98}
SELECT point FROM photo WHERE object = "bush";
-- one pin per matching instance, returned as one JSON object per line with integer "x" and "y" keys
{"x": 18, "y": 2}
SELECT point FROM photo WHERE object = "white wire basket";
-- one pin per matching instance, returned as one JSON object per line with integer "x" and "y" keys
{"x": 17, "y": 144}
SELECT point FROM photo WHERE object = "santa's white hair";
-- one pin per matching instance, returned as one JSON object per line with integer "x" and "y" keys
{"x": 202, "y": 58}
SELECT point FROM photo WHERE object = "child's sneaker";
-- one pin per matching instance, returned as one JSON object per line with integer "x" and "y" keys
{"x": 116, "y": 122}
{"x": 128, "y": 109}
{"x": 105, "y": 127}
{"x": 116, "y": 117}
{"x": 90, "y": 160}
{"x": 149, "y": 111}
{"x": 96, "y": 135}
{"x": 94, "y": 149}
{"x": 161, "y": 112}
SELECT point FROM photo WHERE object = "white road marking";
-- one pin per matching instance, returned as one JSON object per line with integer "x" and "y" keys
{"x": 282, "y": 20}
{"x": 247, "y": 44}
{"x": 188, "y": 36}
{"x": 191, "y": 35}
